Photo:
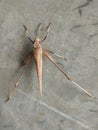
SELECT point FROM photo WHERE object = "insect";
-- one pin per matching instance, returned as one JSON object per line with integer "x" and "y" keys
{"x": 36, "y": 54}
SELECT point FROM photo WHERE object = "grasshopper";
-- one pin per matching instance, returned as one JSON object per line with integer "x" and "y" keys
{"x": 37, "y": 54}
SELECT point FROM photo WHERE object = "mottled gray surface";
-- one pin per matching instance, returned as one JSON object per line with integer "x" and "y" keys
{"x": 74, "y": 34}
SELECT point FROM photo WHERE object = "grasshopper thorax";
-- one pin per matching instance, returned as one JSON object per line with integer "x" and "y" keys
{"x": 36, "y": 43}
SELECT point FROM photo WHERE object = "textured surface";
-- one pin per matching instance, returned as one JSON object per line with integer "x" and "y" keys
{"x": 74, "y": 34}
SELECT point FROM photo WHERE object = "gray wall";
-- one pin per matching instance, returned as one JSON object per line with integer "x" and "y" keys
{"x": 74, "y": 34}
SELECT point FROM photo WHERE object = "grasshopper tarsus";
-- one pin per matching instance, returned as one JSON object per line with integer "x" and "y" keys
{"x": 7, "y": 100}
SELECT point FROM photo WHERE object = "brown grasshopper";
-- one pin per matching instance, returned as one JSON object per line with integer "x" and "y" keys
{"x": 37, "y": 53}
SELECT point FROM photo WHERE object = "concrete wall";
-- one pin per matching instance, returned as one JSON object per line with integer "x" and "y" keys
{"x": 73, "y": 34}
